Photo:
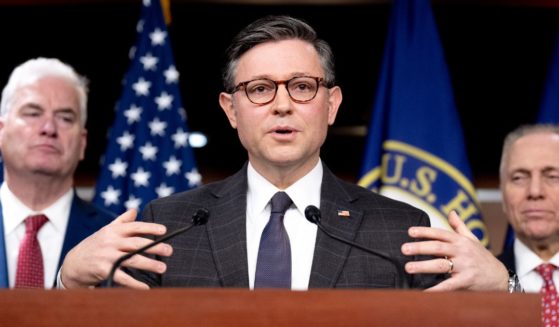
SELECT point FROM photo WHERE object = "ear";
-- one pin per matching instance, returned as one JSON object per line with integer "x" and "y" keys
{"x": 83, "y": 141}
{"x": 2, "y": 122}
{"x": 334, "y": 102}
{"x": 226, "y": 103}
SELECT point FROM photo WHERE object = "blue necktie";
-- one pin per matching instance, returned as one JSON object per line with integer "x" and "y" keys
{"x": 273, "y": 266}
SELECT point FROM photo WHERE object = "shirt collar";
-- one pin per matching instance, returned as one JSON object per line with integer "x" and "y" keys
{"x": 17, "y": 211}
{"x": 304, "y": 192}
{"x": 526, "y": 260}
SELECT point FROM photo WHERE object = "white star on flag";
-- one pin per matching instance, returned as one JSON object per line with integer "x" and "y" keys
{"x": 148, "y": 151}
{"x": 118, "y": 168}
{"x": 172, "y": 166}
{"x": 141, "y": 177}
{"x": 157, "y": 37}
{"x": 164, "y": 190}
{"x": 157, "y": 127}
{"x": 133, "y": 114}
{"x": 126, "y": 141}
{"x": 132, "y": 202}
{"x": 171, "y": 75}
{"x": 141, "y": 87}
{"x": 149, "y": 62}
{"x": 194, "y": 178}
{"x": 164, "y": 101}
{"x": 110, "y": 196}
{"x": 180, "y": 138}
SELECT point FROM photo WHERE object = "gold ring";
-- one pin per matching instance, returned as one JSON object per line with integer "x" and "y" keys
{"x": 450, "y": 265}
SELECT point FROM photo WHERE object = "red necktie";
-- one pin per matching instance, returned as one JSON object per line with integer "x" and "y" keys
{"x": 30, "y": 260}
{"x": 549, "y": 295}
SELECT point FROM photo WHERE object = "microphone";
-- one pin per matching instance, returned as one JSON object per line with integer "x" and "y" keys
{"x": 313, "y": 215}
{"x": 200, "y": 217}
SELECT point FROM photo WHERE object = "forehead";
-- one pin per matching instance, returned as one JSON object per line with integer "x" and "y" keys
{"x": 49, "y": 93}
{"x": 279, "y": 60}
{"x": 534, "y": 151}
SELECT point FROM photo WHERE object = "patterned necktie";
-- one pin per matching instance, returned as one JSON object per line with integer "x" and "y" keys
{"x": 549, "y": 295}
{"x": 30, "y": 260}
{"x": 273, "y": 267}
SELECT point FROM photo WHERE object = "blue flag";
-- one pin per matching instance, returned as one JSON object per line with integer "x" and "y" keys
{"x": 148, "y": 154}
{"x": 548, "y": 114}
{"x": 415, "y": 148}
{"x": 549, "y": 108}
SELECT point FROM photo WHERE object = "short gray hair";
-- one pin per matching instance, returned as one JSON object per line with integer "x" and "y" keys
{"x": 519, "y": 132}
{"x": 276, "y": 28}
{"x": 32, "y": 70}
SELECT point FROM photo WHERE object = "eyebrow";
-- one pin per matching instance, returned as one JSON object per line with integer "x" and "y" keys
{"x": 545, "y": 169}
{"x": 34, "y": 105}
{"x": 548, "y": 169}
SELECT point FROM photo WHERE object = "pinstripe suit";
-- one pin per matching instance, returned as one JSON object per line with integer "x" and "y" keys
{"x": 215, "y": 255}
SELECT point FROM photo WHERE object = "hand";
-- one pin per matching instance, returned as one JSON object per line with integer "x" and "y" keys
{"x": 470, "y": 265}
{"x": 90, "y": 262}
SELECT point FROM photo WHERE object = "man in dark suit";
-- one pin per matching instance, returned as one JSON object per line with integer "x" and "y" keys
{"x": 280, "y": 96}
{"x": 42, "y": 139}
{"x": 529, "y": 176}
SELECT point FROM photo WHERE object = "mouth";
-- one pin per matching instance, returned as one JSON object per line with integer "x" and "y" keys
{"x": 283, "y": 130}
{"x": 535, "y": 213}
{"x": 46, "y": 147}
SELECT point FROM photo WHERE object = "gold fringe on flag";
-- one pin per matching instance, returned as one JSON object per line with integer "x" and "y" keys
{"x": 166, "y": 6}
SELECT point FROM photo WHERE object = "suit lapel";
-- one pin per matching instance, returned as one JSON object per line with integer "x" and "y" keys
{"x": 227, "y": 230}
{"x": 3, "y": 258}
{"x": 77, "y": 228}
{"x": 330, "y": 255}
{"x": 508, "y": 259}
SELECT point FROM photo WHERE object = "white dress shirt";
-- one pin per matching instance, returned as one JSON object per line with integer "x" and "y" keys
{"x": 50, "y": 236}
{"x": 302, "y": 233}
{"x": 526, "y": 261}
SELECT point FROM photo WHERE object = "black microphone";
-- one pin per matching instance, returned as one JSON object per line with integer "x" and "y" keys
{"x": 313, "y": 215}
{"x": 200, "y": 217}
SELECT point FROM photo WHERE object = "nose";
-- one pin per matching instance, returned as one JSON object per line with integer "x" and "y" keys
{"x": 48, "y": 127}
{"x": 282, "y": 103}
{"x": 535, "y": 188}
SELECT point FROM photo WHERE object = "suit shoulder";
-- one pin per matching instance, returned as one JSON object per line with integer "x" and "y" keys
{"x": 200, "y": 192}
{"x": 94, "y": 210}
{"x": 365, "y": 197}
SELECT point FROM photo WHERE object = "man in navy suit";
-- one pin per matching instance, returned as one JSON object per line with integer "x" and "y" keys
{"x": 42, "y": 139}
{"x": 529, "y": 180}
{"x": 280, "y": 95}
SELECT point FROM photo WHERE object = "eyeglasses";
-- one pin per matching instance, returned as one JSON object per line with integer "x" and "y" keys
{"x": 301, "y": 89}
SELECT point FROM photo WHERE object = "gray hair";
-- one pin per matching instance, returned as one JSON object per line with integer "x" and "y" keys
{"x": 517, "y": 134}
{"x": 276, "y": 28}
{"x": 34, "y": 69}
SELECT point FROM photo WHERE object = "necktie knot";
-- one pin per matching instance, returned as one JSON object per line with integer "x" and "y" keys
{"x": 546, "y": 271}
{"x": 34, "y": 223}
{"x": 280, "y": 202}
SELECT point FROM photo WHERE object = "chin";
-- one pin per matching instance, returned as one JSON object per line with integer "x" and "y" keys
{"x": 47, "y": 171}
{"x": 542, "y": 233}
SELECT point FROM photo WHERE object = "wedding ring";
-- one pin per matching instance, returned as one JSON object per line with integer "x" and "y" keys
{"x": 450, "y": 265}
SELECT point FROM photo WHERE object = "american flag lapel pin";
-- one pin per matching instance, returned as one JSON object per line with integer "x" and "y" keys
{"x": 343, "y": 213}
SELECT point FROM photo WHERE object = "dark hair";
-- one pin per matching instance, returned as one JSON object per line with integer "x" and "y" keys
{"x": 276, "y": 28}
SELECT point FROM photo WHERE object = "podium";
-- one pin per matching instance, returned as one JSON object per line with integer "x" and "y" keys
{"x": 240, "y": 307}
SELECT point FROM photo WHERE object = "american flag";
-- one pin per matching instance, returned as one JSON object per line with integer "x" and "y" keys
{"x": 148, "y": 153}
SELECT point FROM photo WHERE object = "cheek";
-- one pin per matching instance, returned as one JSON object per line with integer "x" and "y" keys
{"x": 74, "y": 146}
{"x": 317, "y": 120}
{"x": 248, "y": 122}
